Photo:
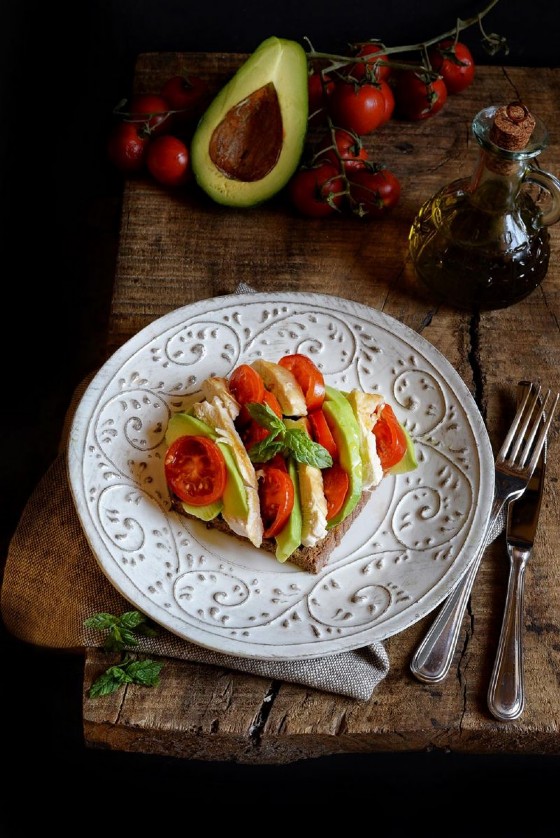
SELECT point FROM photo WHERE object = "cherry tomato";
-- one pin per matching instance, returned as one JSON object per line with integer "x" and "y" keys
{"x": 373, "y": 69}
{"x": 390, "y": 438}
{"x": 277, "y": 461}
{"x": 417, "y": 96}
{"x": 351, "y": 152}
{"x": 454, "y": 62}
{"x": 151, "y": 110}
{"x": 318, "y": 191}
{"x": 389, "y": 98}
{"x": 252, "y": 432}
{"x": 127, "y": 146}
{"x": 308, "y": 376}
{"x": 273, "y": 403}
{"x": 357, "y": 107}
{"x": 246, "y": 384}
{"x": 335, "y": 487}
{"x": 374, "y": 192}
{"x": 276, "y": 495}
{"x": 168, "y": 160}
{"x": 319, "y": 88}
{"x": 195, "y": 470}
{"x": 188, "y": 94}
{"x": 321, "y": 433}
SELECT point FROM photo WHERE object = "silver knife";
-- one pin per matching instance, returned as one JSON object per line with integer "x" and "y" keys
{"x": 506, "y": 693}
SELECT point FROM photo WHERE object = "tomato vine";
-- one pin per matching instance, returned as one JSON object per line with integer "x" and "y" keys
{"x": 359, "y": 93}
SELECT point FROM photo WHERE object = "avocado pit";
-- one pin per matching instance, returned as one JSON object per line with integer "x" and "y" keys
{"x": 246, "y": 145}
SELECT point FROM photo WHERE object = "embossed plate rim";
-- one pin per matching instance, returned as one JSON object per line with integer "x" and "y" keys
{"x": 222, "y": 638}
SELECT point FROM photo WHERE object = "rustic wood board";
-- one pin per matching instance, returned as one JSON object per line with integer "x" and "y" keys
{"x": 176, "y": 248}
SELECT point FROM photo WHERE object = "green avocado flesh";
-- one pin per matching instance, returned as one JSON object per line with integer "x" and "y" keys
{"x": 249, "y": 141}
{"x": 346, "y": 433}
{"x": 289, "y": 538}
{"x": 409, "y": 461}
{"x": 234, "y": 501}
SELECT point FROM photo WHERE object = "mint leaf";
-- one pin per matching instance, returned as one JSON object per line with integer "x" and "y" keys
{"x": 101, "y": 621}
{"x": 305, "y": 450}
{"x": 127, "y": 637}
{"x": 132, "y": 619}
{"x": 265, "y": 450}
{"x": 104, "y": 685}
{"x": 119, "y": 674}
{"x": 143, "y": 672}
{"x": 266, "y": 417}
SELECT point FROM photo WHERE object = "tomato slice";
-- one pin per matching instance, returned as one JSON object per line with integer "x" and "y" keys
{"x": 195, "y": 470}
{"x": 335, "y": 487}
{"x": 390, "y": 438}
{"x": 276, "y": 495}
{"x": 246, "y": 384}
{"x": 308, "y": 376}
{"x": 321, "y": 432}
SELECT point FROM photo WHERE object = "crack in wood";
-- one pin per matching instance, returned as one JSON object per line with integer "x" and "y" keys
{"x": 257, "y": 727}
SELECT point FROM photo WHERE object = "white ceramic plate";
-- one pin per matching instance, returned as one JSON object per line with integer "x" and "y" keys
{"x": 400, "y": 559}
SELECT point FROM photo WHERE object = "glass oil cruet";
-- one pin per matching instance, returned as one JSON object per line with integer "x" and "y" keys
{"x": 482, "y": 242}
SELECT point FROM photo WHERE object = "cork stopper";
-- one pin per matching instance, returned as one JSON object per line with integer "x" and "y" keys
{"x": 513, "y": 126}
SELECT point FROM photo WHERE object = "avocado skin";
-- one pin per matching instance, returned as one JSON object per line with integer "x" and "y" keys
{"x": 234, "y": 501}
{"x": 345, "y": 430}
{"x": 278, "y": 62}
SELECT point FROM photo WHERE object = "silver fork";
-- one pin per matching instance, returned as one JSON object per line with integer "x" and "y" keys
{"x": 515, "y": 463}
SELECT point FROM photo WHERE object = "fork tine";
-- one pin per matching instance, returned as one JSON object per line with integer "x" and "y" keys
{"x": 536, "y": 419}
{"x": 513, "y": 431}
{"x": 520, "y": 436}
{"x": 544, "y": 429}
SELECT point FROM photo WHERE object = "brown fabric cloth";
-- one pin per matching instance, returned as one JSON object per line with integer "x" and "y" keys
{"x": 52, "y": 583}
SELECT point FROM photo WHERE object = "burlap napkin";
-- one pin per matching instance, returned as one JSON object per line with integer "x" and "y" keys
{"x": 52, "y": 583}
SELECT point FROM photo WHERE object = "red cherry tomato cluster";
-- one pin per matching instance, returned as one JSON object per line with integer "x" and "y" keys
{"x": 354, "y": 101}
{"x": 152, "y": 130}
{"x": 340, "y": 176}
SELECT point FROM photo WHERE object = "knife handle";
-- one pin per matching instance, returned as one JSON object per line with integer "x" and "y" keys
{"x": 506, "y": 694}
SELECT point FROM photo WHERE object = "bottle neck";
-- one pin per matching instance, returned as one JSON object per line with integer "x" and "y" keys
{"x": 496, "y": 181}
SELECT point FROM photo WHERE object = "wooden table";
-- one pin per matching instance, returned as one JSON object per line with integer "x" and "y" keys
{"x": 179, "y": 248}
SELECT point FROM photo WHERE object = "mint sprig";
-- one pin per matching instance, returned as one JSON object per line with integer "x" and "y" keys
{"x": 128, "y": 671}
{"x": 122, "y": 631}
{"x": 282, "y": 440}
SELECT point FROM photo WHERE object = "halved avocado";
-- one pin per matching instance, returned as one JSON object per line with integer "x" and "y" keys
{"x": 249, "y": 141}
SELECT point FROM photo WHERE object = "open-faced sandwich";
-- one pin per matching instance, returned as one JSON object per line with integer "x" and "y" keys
{"x": 274, "y": 455}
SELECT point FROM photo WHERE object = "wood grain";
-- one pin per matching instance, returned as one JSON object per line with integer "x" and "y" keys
{"x": 176, "y": 248}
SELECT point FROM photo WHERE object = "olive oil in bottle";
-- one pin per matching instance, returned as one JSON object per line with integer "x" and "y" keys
{"x": 482, "y": 242}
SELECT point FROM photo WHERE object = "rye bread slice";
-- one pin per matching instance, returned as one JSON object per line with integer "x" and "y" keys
{"x": 310, "y": 559}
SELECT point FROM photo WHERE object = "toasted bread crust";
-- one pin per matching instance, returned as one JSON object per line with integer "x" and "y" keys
{"x": 310, "y": 559}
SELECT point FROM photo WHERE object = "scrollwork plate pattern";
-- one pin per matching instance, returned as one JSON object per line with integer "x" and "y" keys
{"x": 403, "y": 555}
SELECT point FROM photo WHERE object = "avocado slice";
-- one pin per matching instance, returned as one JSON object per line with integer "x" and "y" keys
{"x": 234, "y": 501}
{"x": 346, "y": 433}
{"x": 250, "y": 139}
{"x": 408, "y": 461}
{"x": 289, "y": 537}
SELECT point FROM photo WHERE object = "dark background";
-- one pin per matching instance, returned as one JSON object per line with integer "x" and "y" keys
{"x": 64, "y": 67}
